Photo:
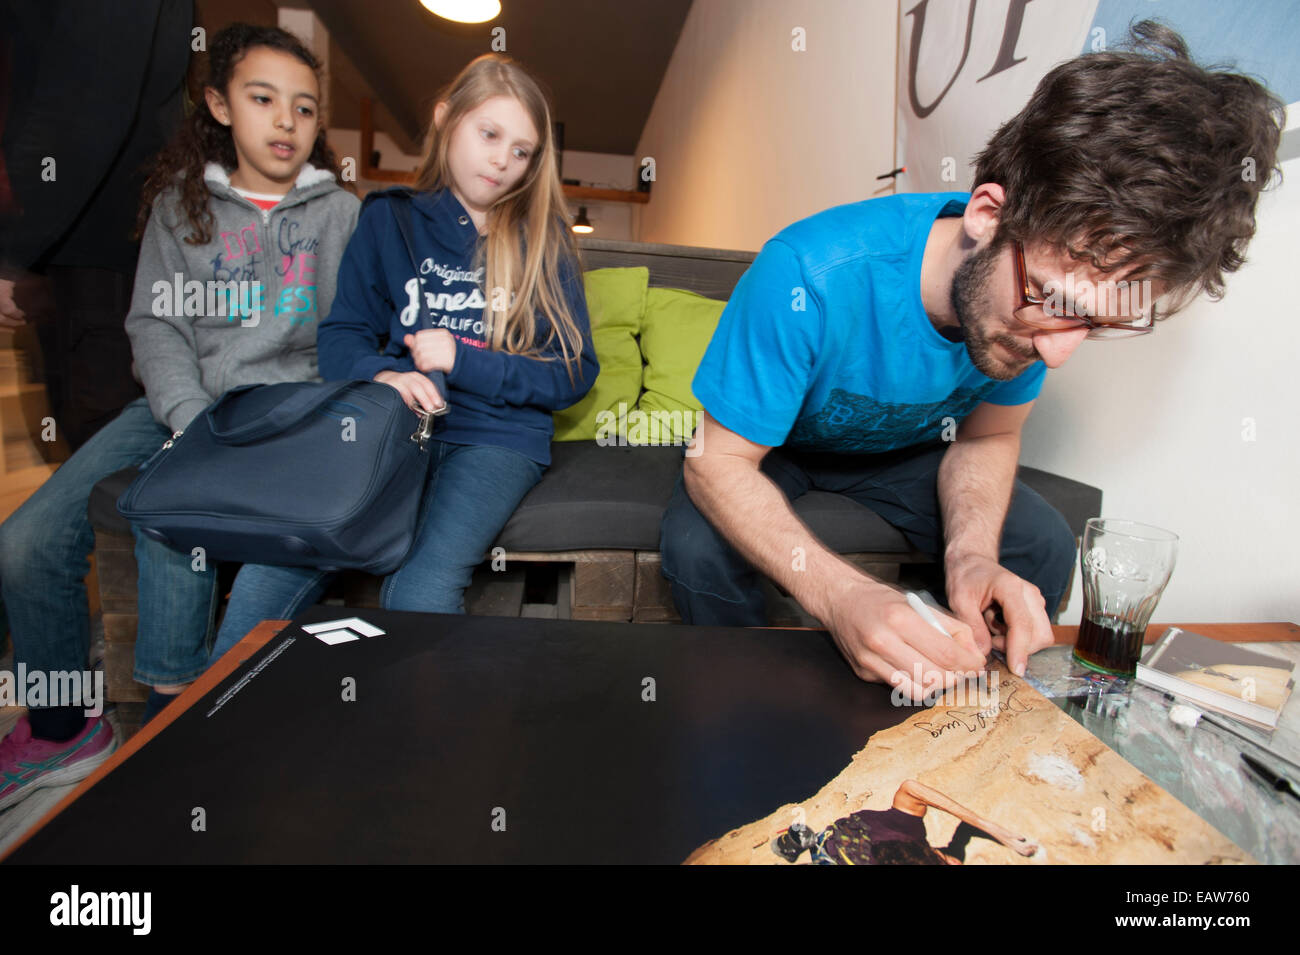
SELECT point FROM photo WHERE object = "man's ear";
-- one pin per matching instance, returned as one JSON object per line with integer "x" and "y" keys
{"x": 217, "y": 105}
{"x": 983, "y": 211}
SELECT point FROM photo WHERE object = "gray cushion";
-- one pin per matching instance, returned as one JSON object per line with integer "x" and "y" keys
{"x": 595, "y": 498}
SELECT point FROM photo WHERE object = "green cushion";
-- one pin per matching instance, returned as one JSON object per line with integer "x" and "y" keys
{"x": 616, "y": 300}
{"x": 674, "y": 335}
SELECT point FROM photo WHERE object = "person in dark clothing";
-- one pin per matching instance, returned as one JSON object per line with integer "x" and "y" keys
{"x": 75, "y": 152}
{"x": 895, "y": 836}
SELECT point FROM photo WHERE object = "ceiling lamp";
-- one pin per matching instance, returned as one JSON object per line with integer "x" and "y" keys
{"x": 581, "y": 223}
{"x": 463, "y": 11}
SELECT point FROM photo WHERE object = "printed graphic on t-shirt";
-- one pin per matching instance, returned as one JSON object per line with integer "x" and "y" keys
{"x": 455, "y": 301}
{"x": 238, "y": 269}
{"x": 295, "y": 255}
{"x": 240, "y": 260}
{"x": 297, "y": 271}
{"x": 850, "y": 424}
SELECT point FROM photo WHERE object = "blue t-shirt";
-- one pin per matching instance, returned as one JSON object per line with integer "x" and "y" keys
{"x": 824, "y": 344}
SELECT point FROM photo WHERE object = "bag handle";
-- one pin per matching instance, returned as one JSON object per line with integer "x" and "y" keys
{"x": 282, "y": 417}
{"x": 402, "y": 213}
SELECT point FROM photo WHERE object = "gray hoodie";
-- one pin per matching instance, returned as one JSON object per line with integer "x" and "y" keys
{"x": 242, "y": 309}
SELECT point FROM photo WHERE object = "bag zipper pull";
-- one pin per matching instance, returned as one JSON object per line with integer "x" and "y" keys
{"x": 424, "y": 430}
{"x": 165, "y": 445}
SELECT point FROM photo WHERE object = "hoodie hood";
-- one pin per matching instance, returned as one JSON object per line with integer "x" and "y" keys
{"x": 311, "y": 182}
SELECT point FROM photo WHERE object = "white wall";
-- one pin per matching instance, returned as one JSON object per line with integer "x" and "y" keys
{"x": 1164, "y": 425}
{"x": 308, "y": 28}
{"x": 749, "y": 135}
{"x": 965, "y": 104}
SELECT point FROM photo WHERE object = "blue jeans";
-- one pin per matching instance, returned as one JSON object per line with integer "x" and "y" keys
{"x": 713, "y": 585}
{"x": 44, "y": 548}
{"x": 470, "y": 493}
{"x": 177, "y": 601}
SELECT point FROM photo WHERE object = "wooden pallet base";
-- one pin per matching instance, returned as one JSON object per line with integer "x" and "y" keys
{"x": 602, "y": 583}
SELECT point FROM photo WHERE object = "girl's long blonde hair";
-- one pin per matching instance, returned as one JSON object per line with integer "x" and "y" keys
{"x": 527, "y": 228}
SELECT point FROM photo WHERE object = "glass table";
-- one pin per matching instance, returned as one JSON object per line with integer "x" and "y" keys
{"x": 1200, "y": 766}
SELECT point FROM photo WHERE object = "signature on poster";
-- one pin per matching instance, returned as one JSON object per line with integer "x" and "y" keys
{"x": 981, "y": 719}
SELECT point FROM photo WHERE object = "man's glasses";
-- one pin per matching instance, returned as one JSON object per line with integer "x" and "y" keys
{"x": 1036, "y": 312}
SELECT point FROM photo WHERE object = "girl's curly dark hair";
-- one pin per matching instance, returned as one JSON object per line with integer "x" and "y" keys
{"x": 201, "y": 139}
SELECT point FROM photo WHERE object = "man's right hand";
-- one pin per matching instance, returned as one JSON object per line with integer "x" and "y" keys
{"x": 414, "y": 387}
{"x": 885, "y": 640}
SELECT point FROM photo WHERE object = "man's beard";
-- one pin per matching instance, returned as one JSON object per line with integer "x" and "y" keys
{"x": 970, "y": 300}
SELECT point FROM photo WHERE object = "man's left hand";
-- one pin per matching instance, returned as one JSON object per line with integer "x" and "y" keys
{"x": 978, "y": 588}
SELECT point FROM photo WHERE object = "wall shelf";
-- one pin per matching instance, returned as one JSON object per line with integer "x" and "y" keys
{"x": 592, "y": 194}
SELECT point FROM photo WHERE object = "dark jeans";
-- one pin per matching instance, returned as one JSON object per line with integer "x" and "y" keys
{"x": 714, "y": 586}
{"x": 86, "y": 351}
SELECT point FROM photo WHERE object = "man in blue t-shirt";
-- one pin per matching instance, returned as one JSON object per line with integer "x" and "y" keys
{"x": 891, "y": 350}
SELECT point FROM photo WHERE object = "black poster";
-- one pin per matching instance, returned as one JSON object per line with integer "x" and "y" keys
{"x": 396, "y": 737}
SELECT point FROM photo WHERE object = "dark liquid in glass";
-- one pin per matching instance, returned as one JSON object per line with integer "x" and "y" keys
{"x": 1109, "y": 645}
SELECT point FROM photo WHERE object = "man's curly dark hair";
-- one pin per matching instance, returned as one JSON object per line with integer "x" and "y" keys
{"x": 1139, "y": 159}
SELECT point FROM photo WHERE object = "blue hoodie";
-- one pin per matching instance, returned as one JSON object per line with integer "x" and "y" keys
{"x": 494, "y": 398}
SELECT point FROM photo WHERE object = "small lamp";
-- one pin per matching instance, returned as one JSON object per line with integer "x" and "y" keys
{"x": 463, "y": 11}
{"x": 581, "y": 223}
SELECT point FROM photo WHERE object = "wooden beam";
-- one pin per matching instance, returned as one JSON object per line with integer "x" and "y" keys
{"x": 374, "y": 173}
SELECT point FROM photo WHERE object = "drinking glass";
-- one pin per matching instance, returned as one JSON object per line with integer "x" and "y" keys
{"x": 1125, "y": 566}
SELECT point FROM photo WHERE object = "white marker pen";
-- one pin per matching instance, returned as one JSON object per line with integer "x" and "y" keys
{"x": 921, "y": 607}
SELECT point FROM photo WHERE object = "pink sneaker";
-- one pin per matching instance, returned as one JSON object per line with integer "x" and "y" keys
{"x": 27, "y": 764}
